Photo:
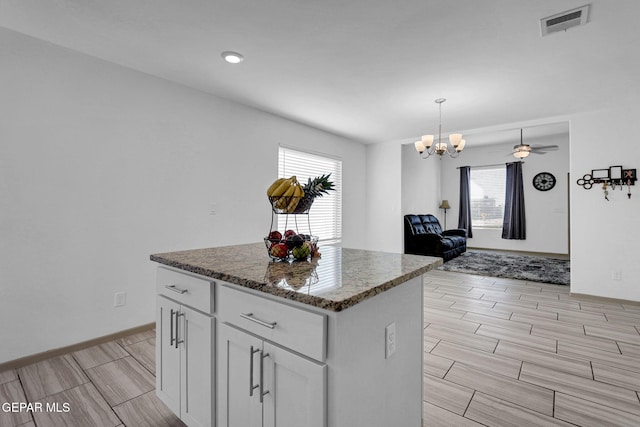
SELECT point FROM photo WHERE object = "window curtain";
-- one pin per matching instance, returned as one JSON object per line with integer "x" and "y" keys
{"x": 514, "y": 223}
{"x": 464, "y": 213}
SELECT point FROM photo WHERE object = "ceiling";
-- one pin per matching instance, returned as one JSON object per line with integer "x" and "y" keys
{"x": 366, "y": 69}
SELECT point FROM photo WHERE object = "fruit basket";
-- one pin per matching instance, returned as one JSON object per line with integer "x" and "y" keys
{"x": 291, "y": 247}
{"x": 287, "y": 204}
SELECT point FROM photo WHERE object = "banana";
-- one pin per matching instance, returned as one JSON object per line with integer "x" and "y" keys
{"x": 275, "y": 185}
{"x": 285, "y": 198}
{"x": 293, "y": 200}
{"x": 282, "y": 188}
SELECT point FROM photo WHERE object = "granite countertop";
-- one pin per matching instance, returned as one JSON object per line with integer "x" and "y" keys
{"x": 337, "y": 280}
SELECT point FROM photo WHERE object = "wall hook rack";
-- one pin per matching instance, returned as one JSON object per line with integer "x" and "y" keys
{"x": 612, "y": 177}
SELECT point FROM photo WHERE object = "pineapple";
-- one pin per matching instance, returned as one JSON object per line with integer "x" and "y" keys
{"x": 318, "y": 186}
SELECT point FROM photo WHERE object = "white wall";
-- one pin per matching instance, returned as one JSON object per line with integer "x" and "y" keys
{"x": 605, "y": 236}
{"x": 546, "y": 211}
{"x": 101, "y": 166}
{"x": 382, "y": 212}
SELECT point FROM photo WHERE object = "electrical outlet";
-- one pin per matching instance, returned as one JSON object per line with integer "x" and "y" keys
{"x": 119, "y": 299}
{"x": 616, "y": 275}
{"x": 390, "y": 340}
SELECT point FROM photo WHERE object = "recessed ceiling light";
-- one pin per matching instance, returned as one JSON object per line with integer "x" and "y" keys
{"x": 232, "y": 57}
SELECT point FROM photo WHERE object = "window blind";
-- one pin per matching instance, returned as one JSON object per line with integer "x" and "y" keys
{"x": 325, "y": 215}
{"x": 487, "y": 197}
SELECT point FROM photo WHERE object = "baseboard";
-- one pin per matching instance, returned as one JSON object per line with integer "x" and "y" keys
{"x": 38, "y": 357}
{"x": 544, "y": 254}
{"x": 595, "y": 298}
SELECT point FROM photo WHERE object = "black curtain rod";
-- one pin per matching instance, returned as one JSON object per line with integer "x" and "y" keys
{"x": 487, "y": 166}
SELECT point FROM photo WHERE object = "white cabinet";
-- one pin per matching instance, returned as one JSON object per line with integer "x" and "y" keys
{"x": 262, "y": 384}
{"x": 184, "y": 353}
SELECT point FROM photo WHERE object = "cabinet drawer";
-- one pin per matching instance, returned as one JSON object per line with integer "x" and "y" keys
{"x": 186, "y": 289}
{"x": 291, "y": 327}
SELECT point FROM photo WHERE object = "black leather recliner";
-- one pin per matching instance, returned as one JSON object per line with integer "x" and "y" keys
{"x": 424, "y": 236}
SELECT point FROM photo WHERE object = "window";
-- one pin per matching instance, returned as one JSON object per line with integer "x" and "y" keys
{"x": 487, "y": 197}
{"x": 325, "y": 216}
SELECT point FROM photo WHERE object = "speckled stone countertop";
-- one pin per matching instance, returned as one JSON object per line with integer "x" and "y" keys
{"x": 337, "y": 280}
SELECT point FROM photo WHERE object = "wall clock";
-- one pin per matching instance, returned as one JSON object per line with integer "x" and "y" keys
{"x": 544, "y": 181}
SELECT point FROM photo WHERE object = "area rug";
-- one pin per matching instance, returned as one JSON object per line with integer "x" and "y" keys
{"x": 511, "y": 266}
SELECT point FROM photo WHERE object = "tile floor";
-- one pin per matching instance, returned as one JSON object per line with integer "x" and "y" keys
{"x": 498, "y": 352}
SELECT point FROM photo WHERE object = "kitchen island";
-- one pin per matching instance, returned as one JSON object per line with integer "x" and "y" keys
{"x": 244, "y": 341}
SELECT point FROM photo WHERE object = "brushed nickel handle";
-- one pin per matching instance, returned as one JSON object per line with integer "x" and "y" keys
{"x": 262, "y": 392}
{"x": 176, "y": 289}
{"x": 249, "y": 316}
{"x": 171, "y": 321}
{"x": 251, "y": 386}
{"x": 178, "y": 314}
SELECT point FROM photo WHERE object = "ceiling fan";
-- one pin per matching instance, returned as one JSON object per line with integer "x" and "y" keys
{"x": 522, "y": 150}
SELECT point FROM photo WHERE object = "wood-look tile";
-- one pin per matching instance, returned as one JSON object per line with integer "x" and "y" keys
{"x": 631, "y": 307}
{"x": 589, "y": 414}
{"x": 10, "y": 392}
{"x": 540, "y": 343}
{"x": 511, "y": 390}
{"x": 551, "y": 305}
{"x": 445, "y": 312}
{"x": 29, "y": 424}
{"x": 504, "y": 297}
{"x": 490, "y": 411}
{"x": 478, "y": 359}
{"x": 525, "y": 310}
{"x": 597, "y": 331}
{"x": 99, "y": 354}
{"x": 622, "y": 319}
{"x": 8, "y": 375}
{"x": 430, "y": 343}
{"x": 497, "y": 322}
{"x": 140, "y": 336}
{"x": 551, "y": 324}
{"x": 487, "y": 311}
{"x": 51, "y": 376}
{"x": 629, "y": 349}
{"x": 592, "y": 354}
{"x": 434, "y": 416}
{"x": 516, "y": 287}
{"x": 147, "y": 411}
{"x": 581, "y": 317}
{"x": 436, "y": 365}
{"x": 86, "y": 408}
{"x": 582, "y": 340}
{"x": 599, "y": 306}
{"x": 540, "y": 297}
{"x": 445, "y": 394}
{"x": 616, "y": 376}
{"x": 121, "y": 380}
{"x": 463, "y": 338}
{"x": 544, "y": 358}
{"x": 467, "y": 304}
{"x": 584, "y": 388}
{"x": 460, "y": 325}
{"x": 145, "y": 353}
{"x": 437, "y": 303}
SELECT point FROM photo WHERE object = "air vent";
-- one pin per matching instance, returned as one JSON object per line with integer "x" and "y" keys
{"x": 564, "y": 20}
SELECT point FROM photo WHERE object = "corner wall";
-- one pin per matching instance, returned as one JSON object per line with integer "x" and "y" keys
{"x": 547, "y": 212}
{"x": 101, "y": 166}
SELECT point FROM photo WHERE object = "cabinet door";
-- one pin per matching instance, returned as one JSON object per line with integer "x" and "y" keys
{"x": 297, "y": 390}
{"x": 238, "y": 375}
{"x": 167, "y": 355}
{"x": 195, "y": 331}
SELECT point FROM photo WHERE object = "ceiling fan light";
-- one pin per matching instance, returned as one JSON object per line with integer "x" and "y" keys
{"x": 419, "y": 146}
{"x": 521, "y": 154}
{"x": 455, "y": 139}
{"x": 427, "y": 140}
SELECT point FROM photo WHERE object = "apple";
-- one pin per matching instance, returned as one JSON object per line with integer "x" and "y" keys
{"x": 301, "y": 252}
{"x": 275, "y": 235}
{"x": 289, "y": 233}
{"x": 294, "y": 241}
{"x": 279, "y": 250}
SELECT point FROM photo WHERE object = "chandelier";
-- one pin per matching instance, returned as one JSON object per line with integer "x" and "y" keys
{"x": 426, "y": 145}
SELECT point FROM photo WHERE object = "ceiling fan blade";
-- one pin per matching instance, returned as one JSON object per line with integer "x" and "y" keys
{"x": 545, "y": 147}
